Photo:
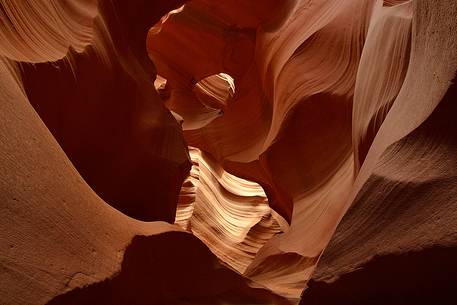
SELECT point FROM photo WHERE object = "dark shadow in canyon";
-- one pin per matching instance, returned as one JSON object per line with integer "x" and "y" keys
{"x": 169, "y": 269}
{"x": 426, "y": 277}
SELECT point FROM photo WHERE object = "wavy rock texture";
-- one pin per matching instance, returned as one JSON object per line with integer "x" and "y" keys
{"x": 287, "y": 144}
{"x": 94, "y": 90}
{"x": 261, "y": 124}
{"x": 229, "y": 214}
{"x": 401, "y": 241}
{"x": 402, "y": 219}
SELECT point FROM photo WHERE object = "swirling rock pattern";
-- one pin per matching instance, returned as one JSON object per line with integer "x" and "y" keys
{"x": 229, "y": 214}
{"x": 228, "y": 152}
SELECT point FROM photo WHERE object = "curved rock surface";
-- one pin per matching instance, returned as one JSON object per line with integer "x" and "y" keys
{"x": 229, "y": 214}
{"x": 228, "y": 152}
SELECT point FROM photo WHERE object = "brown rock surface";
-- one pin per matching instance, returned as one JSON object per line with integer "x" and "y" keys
{"x": 228, "y": 152}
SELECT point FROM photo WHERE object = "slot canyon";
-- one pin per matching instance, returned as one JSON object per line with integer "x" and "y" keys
{"x": 228, "y": 152}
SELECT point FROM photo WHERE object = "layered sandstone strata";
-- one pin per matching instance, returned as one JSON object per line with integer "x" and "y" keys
{"x": 227, "y": 152}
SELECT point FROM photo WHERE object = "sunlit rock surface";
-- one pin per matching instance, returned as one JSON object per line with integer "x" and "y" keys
{"x": 229, "y": 214}
{"x": 228, "y": 152}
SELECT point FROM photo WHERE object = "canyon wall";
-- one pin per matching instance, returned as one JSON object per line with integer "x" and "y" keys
{"x": 228, "y": 152}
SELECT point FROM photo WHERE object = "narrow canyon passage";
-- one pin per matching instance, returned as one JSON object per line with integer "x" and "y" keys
{"x": 168, "y": 152}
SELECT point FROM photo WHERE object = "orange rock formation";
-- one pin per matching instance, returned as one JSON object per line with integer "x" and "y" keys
{"x": 228, "y": 152}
